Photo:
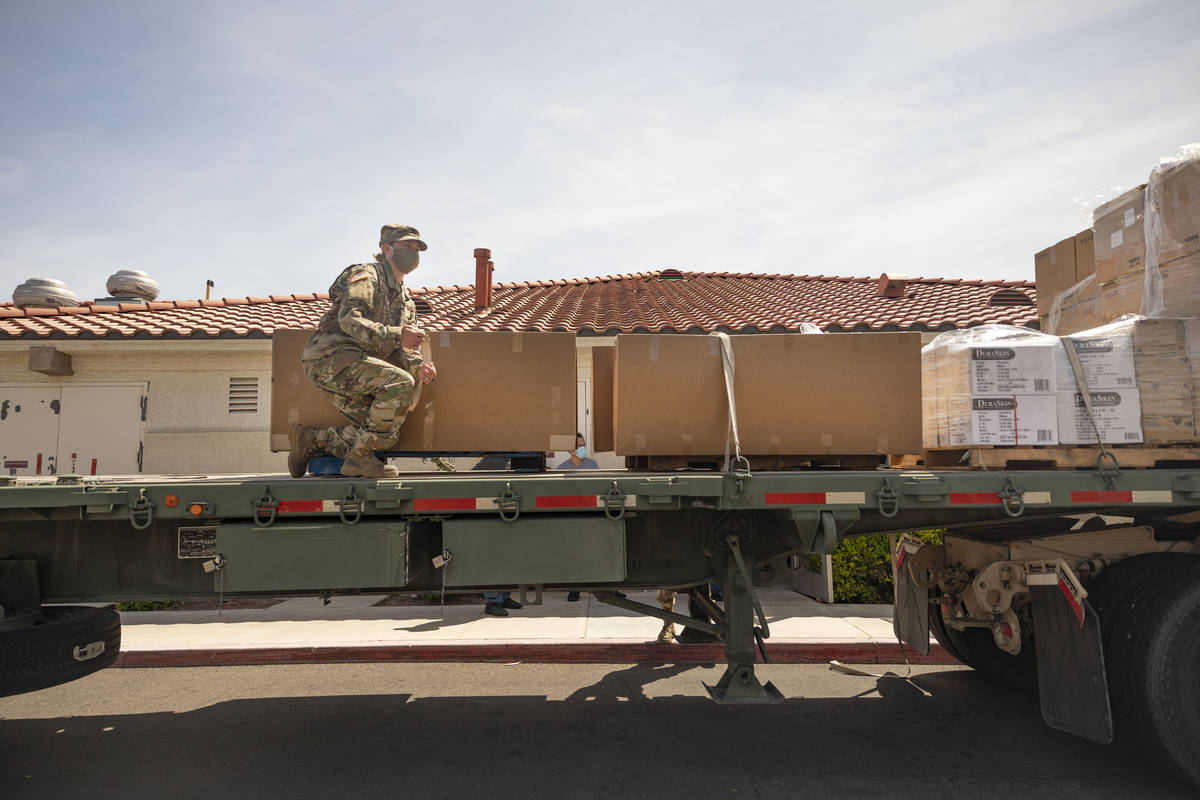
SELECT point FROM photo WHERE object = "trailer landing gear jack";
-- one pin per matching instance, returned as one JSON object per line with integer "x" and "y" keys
{"x": 739, "y": 685}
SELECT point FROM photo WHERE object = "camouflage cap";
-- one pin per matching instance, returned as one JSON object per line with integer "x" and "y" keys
{"x": 401, "y": 233}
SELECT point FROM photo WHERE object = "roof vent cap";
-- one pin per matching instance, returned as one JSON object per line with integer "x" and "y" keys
{"x": 1010, "y": 297}
{"x": 892, "y": 284}
{"x": 44, "y": 293}
{"x": 422, "y": 305}
{"x": 131, "y": 284}
{"x": 670, "y": 272}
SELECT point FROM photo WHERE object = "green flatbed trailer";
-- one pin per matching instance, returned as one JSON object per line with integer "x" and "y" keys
{"x": 1083, "y": 584}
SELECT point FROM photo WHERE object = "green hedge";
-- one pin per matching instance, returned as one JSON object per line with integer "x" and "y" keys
{"x": 862, "y": 568}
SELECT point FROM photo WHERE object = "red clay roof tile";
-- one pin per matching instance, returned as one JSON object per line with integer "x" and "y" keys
{"x": 691, "y": 301}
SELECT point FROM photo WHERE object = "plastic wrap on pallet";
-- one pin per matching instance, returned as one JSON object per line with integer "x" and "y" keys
{"x": 989, "y": 385}
{"x": 1172, "y": 233}
{"x": 1076, "y": 308}
{"x": 1155, "y": 356}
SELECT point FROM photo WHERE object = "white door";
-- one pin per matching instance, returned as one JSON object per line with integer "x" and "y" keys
{"x": 583, "y": 411}
{"x": 29, "y": 417}
{"x": 100, "y": 432}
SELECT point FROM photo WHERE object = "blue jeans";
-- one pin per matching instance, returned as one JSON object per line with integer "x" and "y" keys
{"x": 495, "y": 597}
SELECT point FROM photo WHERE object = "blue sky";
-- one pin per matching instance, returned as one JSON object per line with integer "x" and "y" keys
{"x": 261, "y": 145}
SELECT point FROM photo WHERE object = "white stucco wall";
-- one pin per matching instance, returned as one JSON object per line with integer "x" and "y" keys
{"x": 188, "y": 427}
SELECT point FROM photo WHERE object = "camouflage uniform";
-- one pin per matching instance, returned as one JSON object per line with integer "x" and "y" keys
{"x": 356, "y": 358}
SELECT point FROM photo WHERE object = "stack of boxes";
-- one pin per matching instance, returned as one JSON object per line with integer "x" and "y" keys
{"x": 990, "y": 385}
{"x": 1144, "y": 256}
{"x": 1068, "y": 267}
{"x": 1005, "y": 386}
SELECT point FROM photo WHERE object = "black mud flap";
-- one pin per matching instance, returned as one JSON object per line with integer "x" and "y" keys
{"x": 910, "y": 614}
{"x": 1070, "y": 662}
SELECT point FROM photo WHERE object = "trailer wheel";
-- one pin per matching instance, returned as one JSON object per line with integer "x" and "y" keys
{"x": 1172, "y": 691}
{"x": 1127, "y": 605}
{"x": 1156, "y": 659}
{"x": 937, "y": 625}
{"x": 64, "y": 643}
{"x": 976, "y": 648}
{"x": 1110, "y": 588}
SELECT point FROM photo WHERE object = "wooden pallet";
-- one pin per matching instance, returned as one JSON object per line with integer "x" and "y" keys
{"x": 1128, "y": 457}
{"x": 757, "y": 463}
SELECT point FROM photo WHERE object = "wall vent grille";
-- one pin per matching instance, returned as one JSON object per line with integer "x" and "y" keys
{"x": 243, "y": 395}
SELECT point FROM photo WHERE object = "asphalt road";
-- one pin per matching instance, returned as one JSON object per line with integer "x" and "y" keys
{"x": 558, "y": 731}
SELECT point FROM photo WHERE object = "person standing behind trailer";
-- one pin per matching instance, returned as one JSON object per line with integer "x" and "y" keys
{"x": 578, "y": 460}
{"x": 365, "y": 355}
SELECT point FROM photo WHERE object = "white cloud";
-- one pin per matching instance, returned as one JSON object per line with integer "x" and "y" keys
{"x": 262, "y": 145}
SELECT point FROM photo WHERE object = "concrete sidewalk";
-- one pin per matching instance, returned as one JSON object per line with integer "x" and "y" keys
{"x": 353, "y": 629}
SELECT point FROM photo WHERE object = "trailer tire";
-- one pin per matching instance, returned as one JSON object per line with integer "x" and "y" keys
{"x": 1126, "y": 604}
{"x": 1172, "y": 663}
{"x": 1157, "y": 696}
{"x": 937, "y": 626}
{"x": 976, "y": 648}
{"x": 1110, "y": 588}
{"x": 64, "y": 643}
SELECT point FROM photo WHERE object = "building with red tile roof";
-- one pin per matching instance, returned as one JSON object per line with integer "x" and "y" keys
{"x": 184, "y": 386}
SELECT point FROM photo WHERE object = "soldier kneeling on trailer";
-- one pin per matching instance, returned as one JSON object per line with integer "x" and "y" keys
{"x": 366, "y": 355}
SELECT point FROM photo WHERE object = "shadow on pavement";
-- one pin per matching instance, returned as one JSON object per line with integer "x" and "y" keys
{"x": 606, "y": 740}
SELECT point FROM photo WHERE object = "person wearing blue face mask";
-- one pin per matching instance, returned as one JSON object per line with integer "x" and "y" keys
{"x": 578, "y": 459}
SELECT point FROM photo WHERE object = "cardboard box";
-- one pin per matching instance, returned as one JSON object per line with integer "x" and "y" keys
{"x": 495, "y": 392}
{"x": 1011, "y": 420}
{"x": 603, "y": 365}
{"x": 1004, "y": 369}
{"x": 1054, "y": 271}
{"x": 797, "y": 394}
{"x": 1077, "y": 309}
{"x": 1106, "y": 357}
{"x": 1122, "y": 296}
{"x": 1085, "y": 254}
{"x": 1181, "y": 287}
{"x": 1175, "y": 198}
{"x": 1120, "y": 241}
{"x": 1118, "y": 416}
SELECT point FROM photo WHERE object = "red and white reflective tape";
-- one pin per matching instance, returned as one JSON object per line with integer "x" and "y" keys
{"x": 1055, "y": 579}
{"x": 1134, "y": 496}
{"x": 580, "y": 501}
{"x": 993, "y": 499}
{"x": 307, "y": 506}
{"x": 455, "y": 503}
{"x": 493, "y": 503}
{"x": 815, "y": 498}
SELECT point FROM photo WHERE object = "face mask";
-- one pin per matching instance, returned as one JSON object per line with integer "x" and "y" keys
{"x": 404, "y": 260}
{"x": 581, "y": 452}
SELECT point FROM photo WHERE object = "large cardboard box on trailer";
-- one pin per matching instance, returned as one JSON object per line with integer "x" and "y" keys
{"x": 497, "y": 392}
{"x": 797, "y": 394}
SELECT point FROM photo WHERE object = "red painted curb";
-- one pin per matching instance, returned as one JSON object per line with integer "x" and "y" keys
{"x": 558, "y": 653}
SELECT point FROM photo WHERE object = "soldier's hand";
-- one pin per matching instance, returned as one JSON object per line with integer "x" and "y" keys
{"x": 411, "y": 338}
{"x": 427, "y": 373}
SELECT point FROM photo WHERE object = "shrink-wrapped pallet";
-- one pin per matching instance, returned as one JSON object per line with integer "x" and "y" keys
{"x": 1147, "y": 254}
{"x": 1142, "y": 374}
{"x": 989, "y": 385}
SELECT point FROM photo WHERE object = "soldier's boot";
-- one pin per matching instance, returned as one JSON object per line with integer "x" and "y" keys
{"x": 667, "y": 634}
{"x": 302, "y": 445}
{"x": 361, "y": 462}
